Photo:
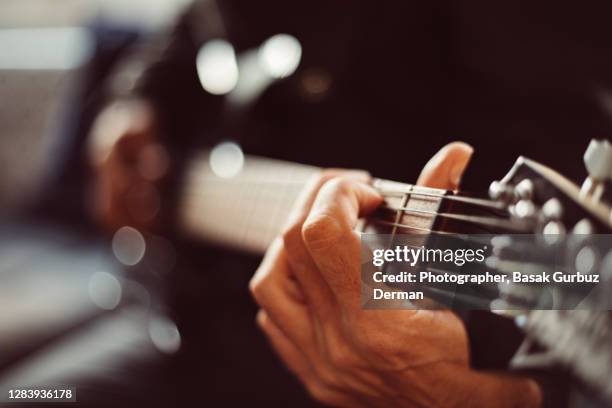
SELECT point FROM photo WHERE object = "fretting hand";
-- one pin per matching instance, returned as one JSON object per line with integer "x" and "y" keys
{"x": 308, "y": 287}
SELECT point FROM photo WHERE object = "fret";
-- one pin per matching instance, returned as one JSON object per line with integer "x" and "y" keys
{"x": 400, "y": 212}
{"x": 401, "y": 203}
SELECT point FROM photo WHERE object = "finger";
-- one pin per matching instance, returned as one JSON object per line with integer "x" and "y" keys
{"x": 291, "y": 355}
{"x": 445, "y": 168}
{"x": 299, "y": 364}
{"x": 306, "y": 198}
{"x": 275, "y": 291}
{"x": 329, "y": 234}
{"x": 316, "y": 290}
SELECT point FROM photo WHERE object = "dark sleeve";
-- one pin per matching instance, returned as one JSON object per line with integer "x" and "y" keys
{"x": 186, "y": 114}
{"x": 161, "y": 68}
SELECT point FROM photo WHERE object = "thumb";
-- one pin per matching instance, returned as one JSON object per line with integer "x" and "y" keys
{"x": 445, "y": 168}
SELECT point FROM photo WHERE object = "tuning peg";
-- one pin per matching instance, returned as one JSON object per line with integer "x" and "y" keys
{"x": 584, "y": 227}
{"x": 553, "y": 232}
{"x": 552, "y": 209}
{"x": 502, "y": 192}
{"x": 598, "y": 159}
{"x": 587, "y": 259}
{"x": 598, "y": 162}
{"x": 524, "y": 209}
{"x": 524, "y": 189}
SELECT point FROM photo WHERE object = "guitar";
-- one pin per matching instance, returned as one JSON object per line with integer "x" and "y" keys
{"x": 246, "y": 209}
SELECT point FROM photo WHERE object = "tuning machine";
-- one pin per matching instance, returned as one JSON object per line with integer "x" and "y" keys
{"x": 583, "y": 227}
{"x": 518, "y": 199}
{"x": 524, "y": 208}
{"x": 502, "y": 192}
{"x": 551, "y": 221}
{"x": 598, "y": 162}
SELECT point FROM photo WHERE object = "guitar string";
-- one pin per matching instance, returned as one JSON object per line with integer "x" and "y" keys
{"x": 414, "y": 190}
{"x": 475, "y": 220}
{"x": 479, "y": 220}
{"x": 477, "y": 202}
{"x": 482, "y": 202}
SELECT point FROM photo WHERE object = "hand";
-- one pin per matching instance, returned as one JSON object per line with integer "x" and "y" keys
{"x": 308, "y": 287}
{"x": 127, "y": 162}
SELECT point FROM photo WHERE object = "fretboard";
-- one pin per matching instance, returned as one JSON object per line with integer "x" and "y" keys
{"x": 245, "y": 211}
{"x": 248, "y": 210}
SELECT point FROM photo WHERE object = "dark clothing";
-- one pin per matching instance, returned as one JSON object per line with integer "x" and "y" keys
{"x": 406, "y": 77}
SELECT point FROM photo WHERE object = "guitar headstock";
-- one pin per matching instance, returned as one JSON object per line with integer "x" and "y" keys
{"x": 570, "y": 231}
{"x": 535, "y": 220}
{"x": 550, "y": 203}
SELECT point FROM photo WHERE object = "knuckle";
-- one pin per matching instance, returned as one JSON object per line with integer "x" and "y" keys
{"x": 321, "y": 230}
{"x": 255, "y": 289}
{"x": 320, "y": 178}
{"x": 340, "y": 356}
{"x": 253, "y": 286}
{"x": 339, "y": 185}
{"x": 327, "y": 174}
{"x": 369, "y": 336}
{"x": 320, "y": 393}
{"x": 262, "y": 319}
{"x": 292, "y": 235}
{"x": 387, "y": 353}
{"x": 258, "y": 286}
{"x": 326, "y": 374}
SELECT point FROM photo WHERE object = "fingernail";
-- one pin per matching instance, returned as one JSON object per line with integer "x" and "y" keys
{"x": 456, "y": 173}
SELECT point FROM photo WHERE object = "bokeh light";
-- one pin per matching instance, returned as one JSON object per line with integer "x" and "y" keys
{"x": 217, "y": 67}
{"x": 104, "y": 290}
{"x": 280, "y": 55}
{"x": 226, "y": 159}
{"x": 164, "y": 334}
{"x": 128, "y": 245}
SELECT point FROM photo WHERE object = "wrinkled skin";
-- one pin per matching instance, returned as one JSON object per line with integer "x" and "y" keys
{"x": 308, "y": 288}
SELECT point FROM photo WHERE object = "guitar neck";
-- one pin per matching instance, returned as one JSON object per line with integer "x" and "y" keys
{"x": 248, "y": 210}
{"x": 245, "y": 211}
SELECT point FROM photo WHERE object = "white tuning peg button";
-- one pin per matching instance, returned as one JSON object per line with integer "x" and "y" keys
{"x": 598, "y": 159}
{"x": 552, "y": 209}
{"x": 598, "y": 162}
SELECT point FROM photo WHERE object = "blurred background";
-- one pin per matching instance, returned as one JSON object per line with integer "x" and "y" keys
{"x": 73, "y": 307}
{"x": 45, "y": 45}
{"x": 104, "y": 103}
{"x": 68, "y": 310}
